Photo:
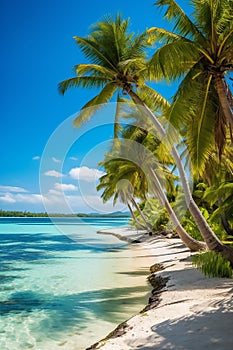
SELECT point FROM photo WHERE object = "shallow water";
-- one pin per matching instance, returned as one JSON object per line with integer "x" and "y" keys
{"x": 62, "y": 285}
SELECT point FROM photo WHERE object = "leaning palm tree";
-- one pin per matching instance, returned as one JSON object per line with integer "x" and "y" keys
{"x": 198, "y": 53}
{"x": 126, "y": 179}
{"x": 118, "y": 65}
{"x": 121, "y": 182}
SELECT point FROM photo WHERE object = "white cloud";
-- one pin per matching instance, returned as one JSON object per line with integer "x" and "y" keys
{"x": 65, "y": 187}
{"x": 53, "y": 173}
{"x": 7, "y": 198}
{"x": 93, "y": 203}
{"x": 55, "y": 160}
{"x": 73, "y": 158}
{"x": 29, "y": 198}
{"x": 21, "y": 198}
{"x": 36, "y": 158}
{"x": 12, "y": 189}
{"x": 14, "y": 194}
{"x": 53, "y": 192}
{"x": 86, "y": 174}
{"x": 56, "y": 201}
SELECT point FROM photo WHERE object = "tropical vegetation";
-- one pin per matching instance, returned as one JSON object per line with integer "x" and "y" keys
{"x": 212, "y": 264}
{"x": 198, "y": 55}
{"x": 29, "y": 214}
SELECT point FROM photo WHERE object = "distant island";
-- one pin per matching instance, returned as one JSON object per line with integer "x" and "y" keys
{"x": 15, "y": 213}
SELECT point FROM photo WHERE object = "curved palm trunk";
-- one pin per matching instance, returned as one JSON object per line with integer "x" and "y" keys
{"x": 224, "y": 221}
{"x": 225, "y": 97}
{"x": 226, "y": 225}
{"x": 148, "y": 225}
{"x": 212, "y": 241}
{"x": 190, "y": 242}
{"x": 134, "y": 217}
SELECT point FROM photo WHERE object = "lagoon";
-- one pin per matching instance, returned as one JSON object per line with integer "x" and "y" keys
{"x": 63, "y": 286}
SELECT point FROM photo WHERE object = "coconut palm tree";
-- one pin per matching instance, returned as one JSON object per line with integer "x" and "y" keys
{"x": 118, "y": 65}
{"x": 121, "y": 181}
{"x": 118, "y": 60}
{"x": 199, "y": 53}
{"x": 125, "y": 179}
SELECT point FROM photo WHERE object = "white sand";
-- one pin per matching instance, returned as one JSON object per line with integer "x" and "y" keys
{"x": 195, "y": 312}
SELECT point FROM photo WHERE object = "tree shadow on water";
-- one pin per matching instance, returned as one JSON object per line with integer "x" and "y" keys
{"x": 75, "y": 310}
{"x": 39, "y": 246}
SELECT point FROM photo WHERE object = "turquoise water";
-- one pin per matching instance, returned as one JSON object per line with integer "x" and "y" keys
{"x": 62, "y": 285}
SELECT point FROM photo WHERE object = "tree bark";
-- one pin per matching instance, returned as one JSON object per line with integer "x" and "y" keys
{"x": 226, "y": 225}
{"x": 225, "y": 97}
{"x": 148, "y": 225}
{"x": 190, "y": 242}
{"x": 212, "y": 241}
{"x": 134, "y": 217}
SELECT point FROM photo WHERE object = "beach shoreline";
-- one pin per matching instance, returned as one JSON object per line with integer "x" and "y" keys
{"x": 190, "y": 312}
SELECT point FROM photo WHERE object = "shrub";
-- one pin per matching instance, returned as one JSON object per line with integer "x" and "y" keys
{"x": 212, "y": 264}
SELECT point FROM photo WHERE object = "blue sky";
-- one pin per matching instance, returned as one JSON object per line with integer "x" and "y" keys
{"x": 37, "y": 52}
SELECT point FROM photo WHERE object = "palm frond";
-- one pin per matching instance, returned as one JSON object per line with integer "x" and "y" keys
{"x": 179, "y": 112}
{"x": 153, "y": 99}
{"x": 93, "y": 69}
{"x": 182, "y": 22}
{"x": 95, "y": 104}
{"x": 85, "y": 82}
{"x": 113, "y": 38}
{"x": 225, "y": 47}
{"x": 172, "y": 60}
{"x": 200, "y": 134}
{"x": 136, "y": 63}
{"x": 223, "y": 18}
{"x": 92, "y": 51}
{"x": 201, "y": 117}
{"x": 161, "y": 35}
{"x": 213, "y": 17}
{"x": 137, "y": 47}
{"x": 203, "y": 16}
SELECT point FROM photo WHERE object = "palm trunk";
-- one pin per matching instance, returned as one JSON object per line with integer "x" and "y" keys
{"x": 225, "y": 97}
{"x": 134, "y": 217}
{"x": 212, "y": 241}
{"x": 190, "y": 242}
{"x": 148, "y": 225}
{"x": 226, "y": 225}
{"x": 224, "y": 220}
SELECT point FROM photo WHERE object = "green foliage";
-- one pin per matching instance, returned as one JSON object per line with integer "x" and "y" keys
{"x": 115, "y": 62}
{"x": 190, "y": 227}
{"x": 155, "y": 214}
{"x": 212, "y": 264}
{"x": 195, "y": 53}
{"x": 17, "y": 213}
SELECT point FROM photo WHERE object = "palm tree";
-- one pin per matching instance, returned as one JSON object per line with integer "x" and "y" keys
{"x": 118, "y": 60}
{"x": 139, "y": 153}
{"x": 126, "y": 179}
{"x": 119, "y": 65}
{"x": 212, "y": 241}
{"x": 200, "y": 52}
{"x": 123, "y": 181}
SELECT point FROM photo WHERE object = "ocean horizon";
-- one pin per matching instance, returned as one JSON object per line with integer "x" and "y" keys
{"x": 63, "y": 286}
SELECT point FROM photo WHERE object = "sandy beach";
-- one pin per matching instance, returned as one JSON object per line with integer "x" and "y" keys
{"x": 191, "y": 312}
